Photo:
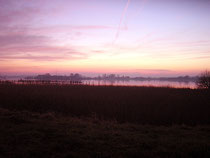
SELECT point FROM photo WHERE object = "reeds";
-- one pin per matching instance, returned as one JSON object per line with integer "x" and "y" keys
{"x": 143, "y": 105}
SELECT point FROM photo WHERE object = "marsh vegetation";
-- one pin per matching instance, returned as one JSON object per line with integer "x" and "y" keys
{"x": 52, "y": 120}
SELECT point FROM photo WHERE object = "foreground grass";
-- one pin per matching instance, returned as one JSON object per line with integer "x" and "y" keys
{"x": 144, "y": 105}
{"x": 26, "y": 134}
{"x": 101, "y": 122}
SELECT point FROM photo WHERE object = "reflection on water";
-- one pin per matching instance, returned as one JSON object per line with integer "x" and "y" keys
{"x": 154, "y": 83}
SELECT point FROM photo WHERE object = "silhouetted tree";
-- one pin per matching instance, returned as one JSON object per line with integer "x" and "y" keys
{"x": 204, "y": 80}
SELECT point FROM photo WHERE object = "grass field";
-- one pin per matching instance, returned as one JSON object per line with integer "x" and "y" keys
{"x": 145, "y": 105}
{"x": 101, "y": 122}
{"x": 26, "y": 134}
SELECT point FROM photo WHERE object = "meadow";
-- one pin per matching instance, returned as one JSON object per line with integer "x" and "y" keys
{"x": 46, "y": 120}
{"x": 145, "y": 105}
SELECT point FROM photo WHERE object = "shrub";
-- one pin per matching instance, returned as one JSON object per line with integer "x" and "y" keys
{"x": 204, "y": 80}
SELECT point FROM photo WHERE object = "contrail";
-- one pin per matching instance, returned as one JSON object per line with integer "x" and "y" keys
{"x": 121, "y": 20}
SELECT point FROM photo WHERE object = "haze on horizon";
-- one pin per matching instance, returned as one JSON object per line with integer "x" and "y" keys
{"x": 148, "y": 37}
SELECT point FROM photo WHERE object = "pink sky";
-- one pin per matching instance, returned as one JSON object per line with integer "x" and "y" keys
{"x": 135, "y": 37}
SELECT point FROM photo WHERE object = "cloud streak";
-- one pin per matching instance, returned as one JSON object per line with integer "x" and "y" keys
{"x": 154, "y": 70}
{"x": 39, "y": 58}
{"x": 44, "y": 55}
{"x": 15, "y": 40}
{"x": 23, "y": 46}
{"x": 121, "y": 20}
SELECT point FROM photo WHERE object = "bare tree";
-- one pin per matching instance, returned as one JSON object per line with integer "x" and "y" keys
{"x": 204, "y": 80}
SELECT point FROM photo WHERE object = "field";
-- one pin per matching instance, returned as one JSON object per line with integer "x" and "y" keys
{"x": 103, "y": 121}
{"x": 145, "y": 105}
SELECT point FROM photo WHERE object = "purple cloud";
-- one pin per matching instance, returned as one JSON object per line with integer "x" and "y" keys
{"x": 43, "y": 57}
{"x": 15, "y": 40}
{"x": 154, "y": 70}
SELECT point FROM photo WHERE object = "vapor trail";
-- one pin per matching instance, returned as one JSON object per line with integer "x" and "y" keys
{"x": 121, "y": 20}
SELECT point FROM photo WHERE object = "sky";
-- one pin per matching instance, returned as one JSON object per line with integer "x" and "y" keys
{"x": 133, "y": 37}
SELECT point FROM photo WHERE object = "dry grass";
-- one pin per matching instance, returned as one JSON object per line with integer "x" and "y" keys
{"x": 26, "y": 134}
{"x": 144, "y": 105}
{"x": 102, "y": 122}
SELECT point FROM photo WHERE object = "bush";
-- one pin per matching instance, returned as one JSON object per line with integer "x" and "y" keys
{"x": 204, "y": 80}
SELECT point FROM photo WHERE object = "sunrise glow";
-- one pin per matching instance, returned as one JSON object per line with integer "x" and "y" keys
{"x": 136, "y": 37}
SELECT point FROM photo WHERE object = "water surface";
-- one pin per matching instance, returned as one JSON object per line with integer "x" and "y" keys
{"x": 155, "y": 83}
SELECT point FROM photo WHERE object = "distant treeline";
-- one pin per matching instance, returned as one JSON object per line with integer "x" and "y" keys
{"x": 78, "y": 77}
{"x": 2, "y": 77}
{"x": 71, "y": 77}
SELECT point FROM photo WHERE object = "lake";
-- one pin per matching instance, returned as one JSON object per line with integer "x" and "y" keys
{"x": 155, "y": 83}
